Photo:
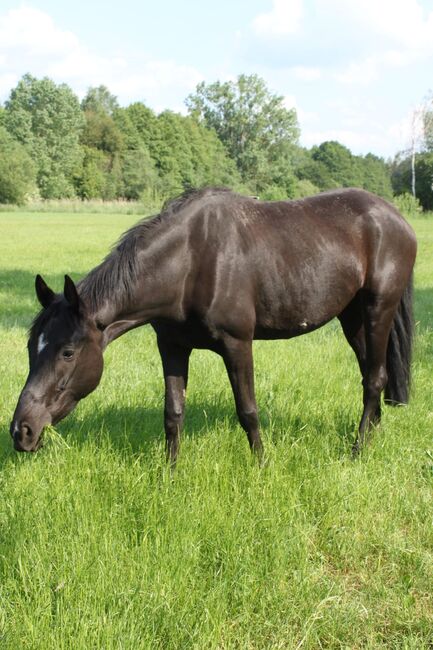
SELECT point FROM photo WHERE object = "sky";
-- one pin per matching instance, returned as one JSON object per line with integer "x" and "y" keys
{"x": 355, "y": 70}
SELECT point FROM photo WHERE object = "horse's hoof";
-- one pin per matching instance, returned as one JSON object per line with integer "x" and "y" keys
{"x": 356, "y": 450}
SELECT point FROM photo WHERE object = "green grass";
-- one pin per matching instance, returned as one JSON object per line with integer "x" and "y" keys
{"x": 101, "y": 548}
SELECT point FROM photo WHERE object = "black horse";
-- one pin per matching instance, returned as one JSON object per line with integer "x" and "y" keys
{"x": 216, "y": 270}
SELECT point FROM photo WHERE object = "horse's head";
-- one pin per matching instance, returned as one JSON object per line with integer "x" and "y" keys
{"x": 65, "y": 355}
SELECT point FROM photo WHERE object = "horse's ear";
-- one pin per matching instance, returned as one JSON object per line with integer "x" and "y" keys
{"x": 44, "y": 293}
{"x": 71, "y": 293}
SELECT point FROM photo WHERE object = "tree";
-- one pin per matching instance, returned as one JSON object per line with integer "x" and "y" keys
{"x": 317, "y": 173}
{"x": 100, "y": 100}
{"x": 46, "y": 118}
{"x": 17, "y": 171}
{"x": 139, "y": 125}
{"x": 340, "y": 163}
{"x": 91, "y": 181}
{"x": 101, "y": 132}
{"x": 139, "y": 173}
{"x": 211, "y": 162}
{"x": 183, "y": 153}
{"x": 375, "y": 173}
{"x": 402, "y": 177}
{"x": 251, "y": 122}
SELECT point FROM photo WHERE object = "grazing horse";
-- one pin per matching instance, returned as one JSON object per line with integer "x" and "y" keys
{"x": 216, "y": 270}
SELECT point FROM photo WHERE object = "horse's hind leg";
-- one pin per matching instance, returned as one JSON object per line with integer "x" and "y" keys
{"x": 378, "y": 313}
{"x": 352, "y": 323}
{"x": 238, "y": 359}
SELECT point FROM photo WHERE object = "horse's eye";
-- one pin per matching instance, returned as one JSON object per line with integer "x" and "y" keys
{"x": 68, "y": 354}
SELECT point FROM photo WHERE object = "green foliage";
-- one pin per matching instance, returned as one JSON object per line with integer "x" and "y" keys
{"x": 47, "y": 120}
{"x": 211, "y": 162}
{"x": 100, "y": 100}
{"x": 375, "y": 175}
{"x": 401, "y": 174}
{"x": 17, "y": 171}
{"x": 408, "y": 205}
{"x": 139, "y": 173}
{"x": 339, "y": 162}
{"x": 101, "y": 132}
{"x": 237, "y": 134}
{"x": 101, "y": 547}
{"x": 317, "y": 173}
{"x": 305, "y": 188}
{"x": 139, "y": 126}
{"x": 253, "y": 124}
{"x": 332, "y": 165}
{"x": 90, "y": 183}
{"x": 188, "y": 155}
{"x": 424, "y": 180}
{"x": 402, "y": 177}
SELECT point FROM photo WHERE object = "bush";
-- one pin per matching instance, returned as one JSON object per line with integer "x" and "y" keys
{"x": 305, "y": 188}
{"x": 408, "y": 205}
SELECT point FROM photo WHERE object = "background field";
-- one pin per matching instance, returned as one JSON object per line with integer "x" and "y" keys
{"x": 99, "y": 548}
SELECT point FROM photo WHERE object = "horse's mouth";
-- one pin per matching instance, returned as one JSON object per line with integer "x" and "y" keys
{"x": 30, "y": 450}
{"x": 38, "y": 445}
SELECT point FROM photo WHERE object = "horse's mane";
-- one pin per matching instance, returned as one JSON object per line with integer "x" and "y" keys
{"x": 115, "y": 278}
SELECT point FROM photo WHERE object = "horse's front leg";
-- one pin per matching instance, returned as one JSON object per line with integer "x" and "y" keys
{"x": 175, "y": 361}
{"x": 238, "y": 359}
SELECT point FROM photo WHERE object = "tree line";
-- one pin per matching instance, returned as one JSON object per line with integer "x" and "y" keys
{"x": 236, "y": 133}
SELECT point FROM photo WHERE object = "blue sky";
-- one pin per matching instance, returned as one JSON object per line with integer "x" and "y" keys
{"x": 354, "y": 69}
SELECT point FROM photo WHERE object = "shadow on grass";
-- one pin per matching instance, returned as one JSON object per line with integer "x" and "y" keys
{"x": 138, "y": 430}
{"x": 132, "y": 431}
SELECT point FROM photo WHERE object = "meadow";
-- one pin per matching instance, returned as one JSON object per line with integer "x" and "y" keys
{"x": 100, "y": 547}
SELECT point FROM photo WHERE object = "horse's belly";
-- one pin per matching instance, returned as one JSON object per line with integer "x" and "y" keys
{"x": 269, "y": 333}
{"x": 301, "y": 310}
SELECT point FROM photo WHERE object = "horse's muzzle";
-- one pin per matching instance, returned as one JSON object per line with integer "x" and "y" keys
{"x": 24, "y": 438}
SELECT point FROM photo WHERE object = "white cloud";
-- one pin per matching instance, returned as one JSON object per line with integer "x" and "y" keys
{"x": 7, "y": 81}
{"x": 403, "y": 22}
{"x": 34, "y": 31}
{"x": 283, "y": 19}
{"x": 31, "y": 41}
{"x": 400, "y": 33}
{"x": 365, "y": 135}
{"x": 304, "y": 117}
{"x": 354, "y": 140}
{"x": 156, "y": 81}
{"x": 369, "y": 35}
{"x": 360, "y": 72}
{"x": 307, "y": 73}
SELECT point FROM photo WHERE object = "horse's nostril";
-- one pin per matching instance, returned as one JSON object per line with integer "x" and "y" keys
{"x": 26, "y": 431}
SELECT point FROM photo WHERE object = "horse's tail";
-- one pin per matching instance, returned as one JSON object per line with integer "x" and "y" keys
{"x": 399, "y": 352}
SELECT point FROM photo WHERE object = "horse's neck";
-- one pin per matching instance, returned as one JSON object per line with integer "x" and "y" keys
{"x": 154, "y": 290}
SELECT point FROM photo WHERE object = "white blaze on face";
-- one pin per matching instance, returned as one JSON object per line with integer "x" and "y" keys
{"x": 42, "y": 343}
